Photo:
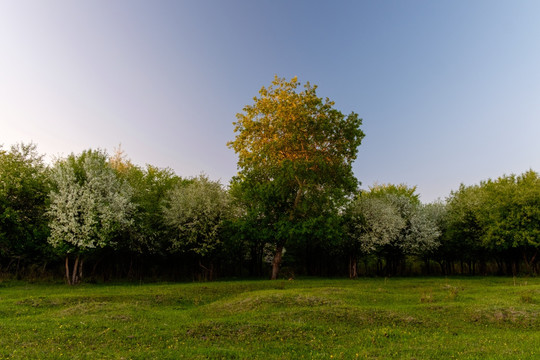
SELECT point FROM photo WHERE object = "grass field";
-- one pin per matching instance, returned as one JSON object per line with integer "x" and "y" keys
{"x": 410, "y": 318}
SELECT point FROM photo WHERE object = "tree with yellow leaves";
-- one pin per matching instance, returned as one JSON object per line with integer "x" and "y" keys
{"x": 295, "y": 155}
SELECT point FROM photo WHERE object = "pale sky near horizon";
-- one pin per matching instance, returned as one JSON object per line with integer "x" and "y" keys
{"x": 449, "y": 91}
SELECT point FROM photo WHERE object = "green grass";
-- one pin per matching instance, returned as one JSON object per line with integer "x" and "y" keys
{"x": 414, "y": 318}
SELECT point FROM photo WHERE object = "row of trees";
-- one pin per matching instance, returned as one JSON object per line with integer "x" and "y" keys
{"x": 294, "y": 208}
{"x": 128, "y": 221}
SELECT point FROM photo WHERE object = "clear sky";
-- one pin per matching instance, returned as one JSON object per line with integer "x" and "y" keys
{"x": 449, "y": 90}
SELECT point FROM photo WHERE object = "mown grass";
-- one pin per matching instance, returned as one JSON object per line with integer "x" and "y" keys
{"x": 413, "y": 318}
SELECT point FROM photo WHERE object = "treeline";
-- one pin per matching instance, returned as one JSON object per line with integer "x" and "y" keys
{"x": 98, "y": 217}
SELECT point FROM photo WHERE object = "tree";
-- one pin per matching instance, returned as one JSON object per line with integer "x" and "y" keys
{"x": 249, "y": 230}
{"x": 436, "y": 214}
{"x": 196, "y": 211}
{"x": 511, "y": 215}
{"x": 295, "y": 154}
{"x": 526, "y": 217}
{"x": 419, "y": 234}
{"x": 465, "y": 229}
{"x": 371, "y": 222}
{"x": 89, "y": 206}
{"x": 149, "y": 233}
{"x": 423, "y": 233}
{"x": 151, "y": 185}
{"x": 24, "y": 188}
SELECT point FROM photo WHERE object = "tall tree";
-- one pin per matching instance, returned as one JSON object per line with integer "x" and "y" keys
{"x": 295, "y": 155}
{"x": 89, "y": 206}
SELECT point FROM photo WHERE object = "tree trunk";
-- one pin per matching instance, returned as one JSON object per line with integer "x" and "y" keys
{"x": 208, "y": 272}
{"x": 94, "y": 268}
{"x": 81, "y": 269}
{"x": 9, "y": 265}
{"x": 43, "y": 269}
{"x": 74, "y": 280}
{"x": 276, "y": 262}
{"x": 441, "y": 266}
{"x": 77, "y": 271}
{"x": 529, "y": 263}
{"x": 17, "y": 269}
{"x": 130, "y": 270}
{"x": 68, "y": 278}
{"x": 353, "y": 267}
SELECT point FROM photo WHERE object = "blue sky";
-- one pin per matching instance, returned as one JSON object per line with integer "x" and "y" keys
{"x": 449, "y": 90}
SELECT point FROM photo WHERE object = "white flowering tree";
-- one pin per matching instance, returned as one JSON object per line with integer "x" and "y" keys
{"x": 419, "y": 236}
{"x": 423, "y": 233}
{"x": 196, "y": 212}
{"x": 371, "y": 223}
{"x": 89, "y": 206}
{"x": 390, "y": 221}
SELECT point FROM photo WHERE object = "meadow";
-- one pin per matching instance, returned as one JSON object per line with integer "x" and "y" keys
{"x": 374, "y": 318}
